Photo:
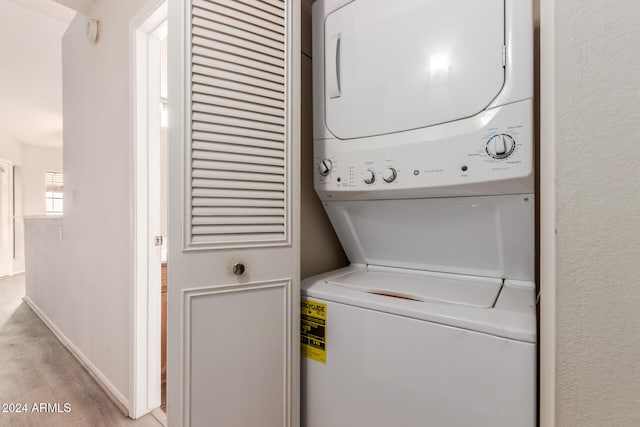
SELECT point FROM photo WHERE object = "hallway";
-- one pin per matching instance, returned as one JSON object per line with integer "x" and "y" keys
{"x": 35, "y": 368}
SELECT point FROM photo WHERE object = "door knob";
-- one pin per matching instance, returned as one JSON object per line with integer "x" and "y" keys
{"x": 238, "y": 269}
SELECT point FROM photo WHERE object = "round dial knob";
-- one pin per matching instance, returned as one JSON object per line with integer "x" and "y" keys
{"x": 369, "y": 177}
{"x": 500, "y": 146}
{"x": 325, "y": 167}
{"x": 389, "y": 175}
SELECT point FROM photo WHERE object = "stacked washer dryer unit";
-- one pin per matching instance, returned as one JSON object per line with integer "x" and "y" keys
{"x": 423, "y": 146}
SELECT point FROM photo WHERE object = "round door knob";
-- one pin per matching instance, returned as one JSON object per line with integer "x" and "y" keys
{"x": 500, "y": 146}
{"x": 369, "y": 177}
{"x": 238, "y": 269}
{"x": 325, "y": 167}
{"x": 389, "y": 175}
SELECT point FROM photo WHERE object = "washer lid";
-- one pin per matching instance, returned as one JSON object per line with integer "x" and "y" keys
{"x": 400, "y": 65}
{"x": 470, "y": 291}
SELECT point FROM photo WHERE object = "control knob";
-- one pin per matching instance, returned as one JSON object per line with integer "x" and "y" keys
{"x": 500, "y": 146}
{"x": 389, "y": 175}
{"x": 369, "y": 177}
{"x": 325, "y": 167}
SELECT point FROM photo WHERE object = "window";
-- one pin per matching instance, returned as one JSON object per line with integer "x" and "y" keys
{"x": 54, "y": 192}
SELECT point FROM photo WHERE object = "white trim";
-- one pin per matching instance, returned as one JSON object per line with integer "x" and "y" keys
{"x": 146, "y": 31}
{"x": 294, "y": 130}
{"x": 178, "y": 87}
{"x": 547, "y": 216}
{"x": 8, "y": 224}
{"x": 112, "y": 392}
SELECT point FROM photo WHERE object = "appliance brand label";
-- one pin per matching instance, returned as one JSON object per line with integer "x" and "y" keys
{"x": 313, "y": 331}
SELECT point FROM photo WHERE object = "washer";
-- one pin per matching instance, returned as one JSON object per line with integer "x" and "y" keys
{"x": 460, "y": 352}
{"x": 423, "y": 146}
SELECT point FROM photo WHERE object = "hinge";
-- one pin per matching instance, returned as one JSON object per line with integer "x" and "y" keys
{"x": 504, "y": 55}
{"x": 158, "y": 240}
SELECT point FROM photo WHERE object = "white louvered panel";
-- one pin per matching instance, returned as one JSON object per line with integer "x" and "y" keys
{"x": 238, "y": 149}
{"x": 238, "y": 11}
{"x": 267, "y": 6}
{"x": 238, "y": 220}
{"x": 237, "y": 229}
{"x": 215, "y": 82}
{"x": 238, "y": 176}
{"x": 212, "y": 23}
{"x": 211, "y": 212}
{"x": 233, "y": 112}
{"x": 235, "y": 104}
{"x": 209, "y": 165}
{"x": 237, "y": 27}
{"x": 214, "y": 240}
{"x": 238, "y": 122}
{"x": 231, "y": 139}
{"x": 200, "y": 54}
{"x": 222, "y": 92}
{"x": 231, "y": 130}
{"x": 279, "y": 4}
{"x": 236, "y": 75}
{"x": 257, "y": 9}
{"x": 242, "y": 185}
{"x": 237, "y": 193}
{"x": 220, "y": 64}
{"x": 235, "y": 50}
{"x": 222, "y": 202}
{"x": 273, "y": 55}
{"x": 238, "y": 156}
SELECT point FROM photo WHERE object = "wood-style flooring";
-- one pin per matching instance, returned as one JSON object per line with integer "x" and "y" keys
{"x": 36, "y": 368}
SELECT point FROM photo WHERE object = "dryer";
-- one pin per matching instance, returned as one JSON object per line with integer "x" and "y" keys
{"x": 423, "y": 156}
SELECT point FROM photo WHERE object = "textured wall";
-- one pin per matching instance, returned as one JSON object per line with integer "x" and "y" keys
{"x": 597, "y": 121}
{"x": 320, "y": 250}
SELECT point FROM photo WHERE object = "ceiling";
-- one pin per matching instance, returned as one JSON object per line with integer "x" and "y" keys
{"x": 31, "y": 69}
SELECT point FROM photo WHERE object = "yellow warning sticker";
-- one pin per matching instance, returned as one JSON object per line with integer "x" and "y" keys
{"x": 313, "y": 331}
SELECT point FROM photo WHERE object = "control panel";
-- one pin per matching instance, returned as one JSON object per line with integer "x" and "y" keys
{"x": 500, "y": 150}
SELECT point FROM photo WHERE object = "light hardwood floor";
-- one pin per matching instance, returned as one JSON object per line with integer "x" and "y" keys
{"x": 36, "y": 368}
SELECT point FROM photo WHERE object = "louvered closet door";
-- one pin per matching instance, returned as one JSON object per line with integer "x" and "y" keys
{"x": 233, "y": 206}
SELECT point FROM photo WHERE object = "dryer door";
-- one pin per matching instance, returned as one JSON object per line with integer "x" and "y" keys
{"x": 395, "y": 66}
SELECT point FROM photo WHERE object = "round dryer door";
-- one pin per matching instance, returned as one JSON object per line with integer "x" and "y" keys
{"x": 392, "y": 66}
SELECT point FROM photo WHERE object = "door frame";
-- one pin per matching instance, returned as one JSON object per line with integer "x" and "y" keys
{"x": 146, "y": 31}
{"x": 8, "y": 225}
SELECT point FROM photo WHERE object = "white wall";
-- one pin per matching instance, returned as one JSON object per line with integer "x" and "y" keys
{"x": 591, "y": 81}
{"x": 90, "y": 301}
{"x": 10, "y": 149}
{"x": 31, "y": 164}
{"x": 36, "y": 161}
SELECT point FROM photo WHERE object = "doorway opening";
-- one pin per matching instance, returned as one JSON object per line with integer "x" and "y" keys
{"x": 149, "y": 134}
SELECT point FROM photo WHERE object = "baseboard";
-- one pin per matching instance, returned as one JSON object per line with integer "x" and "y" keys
{"x": 121, "y": 402}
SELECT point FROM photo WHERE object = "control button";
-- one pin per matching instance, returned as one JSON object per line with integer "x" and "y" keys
{"x": 325, "y": 167}
{"x": 369, "y": 177}
{"x": 464, "y": 168}
{"x": 500, "y": 146}
{"x": 389, "y": 175}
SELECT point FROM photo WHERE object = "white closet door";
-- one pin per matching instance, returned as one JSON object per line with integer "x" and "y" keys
{"x": 233, "y": 349}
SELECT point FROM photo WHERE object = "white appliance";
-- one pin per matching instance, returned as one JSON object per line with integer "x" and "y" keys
{"x": 423, "y": 146}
